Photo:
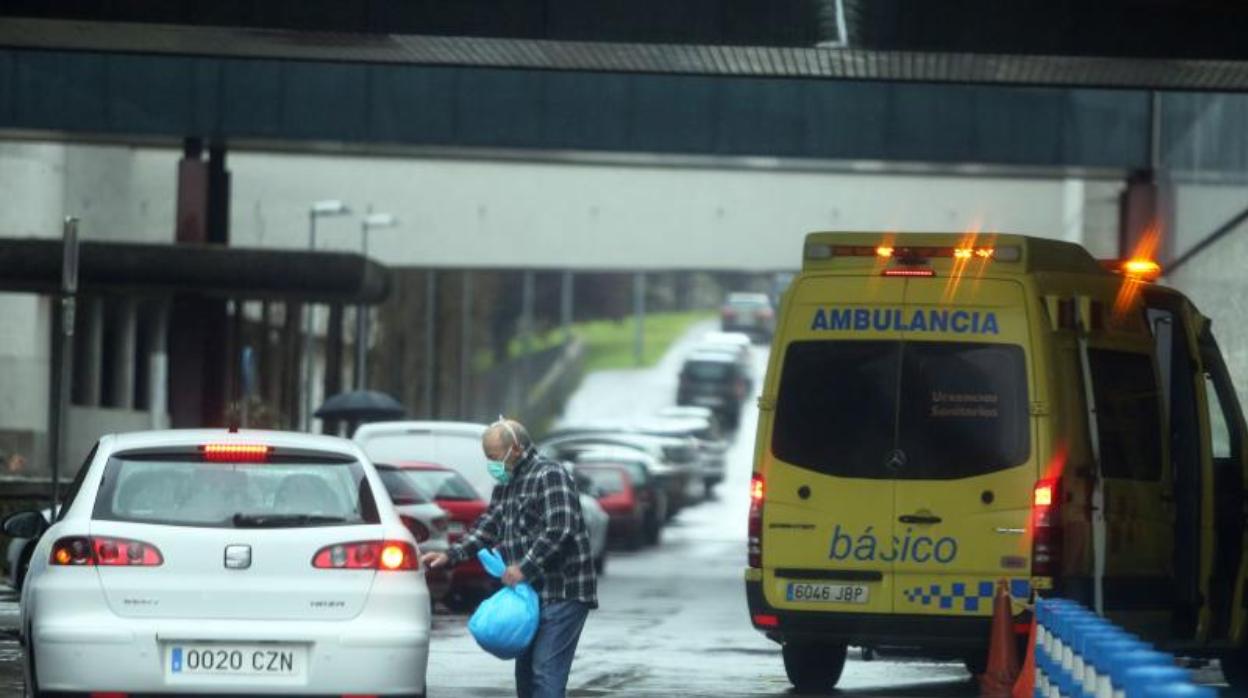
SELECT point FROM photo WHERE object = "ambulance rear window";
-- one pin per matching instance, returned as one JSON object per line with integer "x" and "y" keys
{"x": 903, "y": 410}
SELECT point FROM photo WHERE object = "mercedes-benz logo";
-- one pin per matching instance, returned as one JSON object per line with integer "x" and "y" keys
{"x": 896, "y": 460}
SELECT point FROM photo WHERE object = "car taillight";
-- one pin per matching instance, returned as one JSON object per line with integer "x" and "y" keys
{"x": 756, "y": 521}
{"x": 419, "y": 531}
{"x": 104, "y": 551}
{"x": 385, "y": 555}
{"x": 1046, "y": 530}
{"x": 235, "y": 453}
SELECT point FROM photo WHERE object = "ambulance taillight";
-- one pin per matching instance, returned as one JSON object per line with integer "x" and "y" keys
{"x": 1046, "y": 531}
{"x": 756, "y": 521}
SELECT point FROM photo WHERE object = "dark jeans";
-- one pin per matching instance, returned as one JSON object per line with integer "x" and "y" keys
{"x": 542, "y": 671}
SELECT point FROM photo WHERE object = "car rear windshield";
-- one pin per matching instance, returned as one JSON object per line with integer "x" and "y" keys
{"x": 443, "y": 484}
{"x": 904, "y": 410}
{"x": 402, "y": 490}
{"x": 188, "y": 492}
{"x": 707, "y": 370}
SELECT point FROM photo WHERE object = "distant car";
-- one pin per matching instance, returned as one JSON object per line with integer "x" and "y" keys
{"x": 737, "y": 344}
{"x": 469, "y": 581}
{"x": 428, "y": 522}
{"x": 649, "y": 491}
{"x": 712, "y": 447}
{"x": 613, "y": 487}
{"x": 677, "y": 464}
{"x": 716, "y": 381}
{"x": 201, "y": 561}
{"x": 456, "y": 445}
{"x": 750, "y": 313}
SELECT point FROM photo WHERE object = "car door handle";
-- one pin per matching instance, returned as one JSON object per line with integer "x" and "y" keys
{"x": 918, "y": 519}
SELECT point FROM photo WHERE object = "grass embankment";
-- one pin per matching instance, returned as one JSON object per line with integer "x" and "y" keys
{"x": 609, "y": 344}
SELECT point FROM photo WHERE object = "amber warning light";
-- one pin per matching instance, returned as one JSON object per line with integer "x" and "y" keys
{"x": 1141, "y": 269}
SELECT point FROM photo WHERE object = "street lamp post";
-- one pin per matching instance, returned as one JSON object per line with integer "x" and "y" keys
{"x": 320, "y": 209}
{"x": 371, "y": 221}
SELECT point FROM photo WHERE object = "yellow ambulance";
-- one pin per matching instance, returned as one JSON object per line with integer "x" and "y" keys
{"x": 946, "y": 411}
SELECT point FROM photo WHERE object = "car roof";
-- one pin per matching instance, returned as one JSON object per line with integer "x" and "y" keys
{"x": 686, "y": 411}
{"x": 422, "y": 465}
{"x": 179, "y": 438}
{"x": 422, "y": 427}
{"x": 617, "y": 453}
{"x": 740, "y": 338}
{"x": 711, "y": 357}
{"x": 743, "y": 297}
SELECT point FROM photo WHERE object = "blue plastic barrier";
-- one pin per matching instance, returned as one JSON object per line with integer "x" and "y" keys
{"x": 1081, "y": 655}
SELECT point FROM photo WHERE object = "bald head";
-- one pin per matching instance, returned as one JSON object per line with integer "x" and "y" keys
{"x": 506, "y": 440}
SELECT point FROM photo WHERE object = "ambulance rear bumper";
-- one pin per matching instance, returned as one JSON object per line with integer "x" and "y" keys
{"x": 937, "y": 635}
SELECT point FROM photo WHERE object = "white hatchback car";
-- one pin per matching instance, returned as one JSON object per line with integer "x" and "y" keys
{"x": 201, "y": 561}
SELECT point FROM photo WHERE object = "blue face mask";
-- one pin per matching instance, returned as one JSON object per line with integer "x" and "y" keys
{"x": 498, "y": 471}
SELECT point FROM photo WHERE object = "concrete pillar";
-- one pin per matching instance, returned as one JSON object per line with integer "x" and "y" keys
{"x": 566, "y": 298}
{"x": 158, "y": 366}
{"x": 125, "y": 346}
{"x": 333, "y": 361}
{"x": 91, "y": 367}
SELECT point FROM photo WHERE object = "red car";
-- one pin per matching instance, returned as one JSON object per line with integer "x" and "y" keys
{"x": 449, "y": 490}
{"x": 613, "y": 488}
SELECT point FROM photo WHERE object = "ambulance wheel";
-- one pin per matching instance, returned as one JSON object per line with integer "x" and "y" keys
{"x": 814, "y": 667}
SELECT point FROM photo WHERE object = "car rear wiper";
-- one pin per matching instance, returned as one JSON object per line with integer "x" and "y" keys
{"x": 242, "y": 520}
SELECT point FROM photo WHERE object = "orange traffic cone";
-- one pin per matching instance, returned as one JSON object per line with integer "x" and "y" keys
{"x": 998, "y": 680}
{"x": 1025, "y": 686}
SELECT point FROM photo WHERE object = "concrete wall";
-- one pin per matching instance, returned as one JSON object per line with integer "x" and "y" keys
{"x": 586, "y": 216}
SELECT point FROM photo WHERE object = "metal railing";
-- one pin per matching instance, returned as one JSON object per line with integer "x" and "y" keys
{"x": 1082, "y": 655}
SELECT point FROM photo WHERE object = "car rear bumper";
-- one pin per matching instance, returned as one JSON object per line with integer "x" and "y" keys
{"x": 80, "y": 645}
{"x": 129, "y": 656}
{"x": 937, "y": 635}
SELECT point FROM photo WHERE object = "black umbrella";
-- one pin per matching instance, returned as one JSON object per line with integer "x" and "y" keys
{"x": 361, "y": 406}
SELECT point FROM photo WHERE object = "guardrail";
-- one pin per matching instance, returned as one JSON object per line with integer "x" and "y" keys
{"x": 1081, "y": 655}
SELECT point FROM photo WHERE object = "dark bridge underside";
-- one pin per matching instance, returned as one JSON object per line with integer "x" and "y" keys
{"x": 1162, "y": 44}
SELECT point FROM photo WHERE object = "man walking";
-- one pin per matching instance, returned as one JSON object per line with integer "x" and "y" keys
{"x": 535, "y": 522}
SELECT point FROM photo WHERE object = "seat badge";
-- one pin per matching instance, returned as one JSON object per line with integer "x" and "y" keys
{"x": 237, "y": 557}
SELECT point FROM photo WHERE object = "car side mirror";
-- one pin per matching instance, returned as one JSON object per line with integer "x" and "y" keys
{"x": 25, "y": 524}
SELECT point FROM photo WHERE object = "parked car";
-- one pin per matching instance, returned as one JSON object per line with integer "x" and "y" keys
{"x": 677, "y": 465}
{"x": 750, "y": 313}
{"x": 597, "y": 525}
{"x": 17, "y": 557}
{"x": 714, "y": 380}
{"x": 213, "y": 561}
{"x": 712, "y": 448}
{"x": 648, "y": 490}
{"x": 427, "y": 521}
{"x": 469, "y": 581}
{"x": 456, "y": 445}
{"x": 613, "y": 487}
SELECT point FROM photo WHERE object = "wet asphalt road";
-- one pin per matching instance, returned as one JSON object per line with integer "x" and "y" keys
{"x": 673, "y": 618}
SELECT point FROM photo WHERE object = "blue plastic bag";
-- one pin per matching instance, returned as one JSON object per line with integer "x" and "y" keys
{"x": 505, "y": 623}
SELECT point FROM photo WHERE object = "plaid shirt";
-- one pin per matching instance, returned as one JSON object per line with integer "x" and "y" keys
{"x": 535, "y": 522}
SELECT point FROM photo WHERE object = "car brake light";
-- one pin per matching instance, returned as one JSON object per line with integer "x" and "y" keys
{"x": 104, "y": 551}
{"x": 388, "y": 555}
{"x": 235, "y": 453}
{"x": 766, "y": 620}
{"x": 755, "y": 545}
{"x": 1046, "y": 532}
{"x": 910, "y": 271}
{"x": 419, "y": 531}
